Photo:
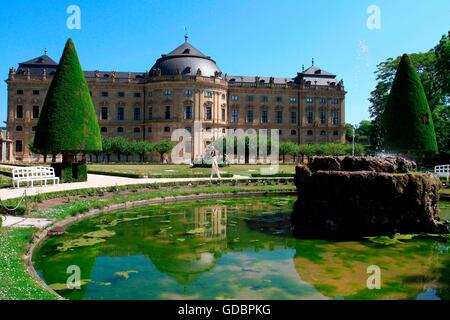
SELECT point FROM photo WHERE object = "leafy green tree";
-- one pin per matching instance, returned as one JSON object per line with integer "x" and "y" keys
{"x": 305, "y": 151}
{"x": 433, "y": 68}
{"x": 107, "y": 149}
{"x": 442, "y": 51}
{"x": 163, "y": 147}
{"x": 287, "y": 148}
{"x": 407, "y": 117}
{"x": 142, "y": 147}
{"x": 68, "y": 123}
{"x": 119, "y": 146}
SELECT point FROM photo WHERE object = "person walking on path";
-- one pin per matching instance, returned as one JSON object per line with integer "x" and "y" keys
{"x": 214, "y": 165}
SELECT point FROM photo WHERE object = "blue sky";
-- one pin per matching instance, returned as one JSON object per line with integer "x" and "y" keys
{"x": 248, "y": 37}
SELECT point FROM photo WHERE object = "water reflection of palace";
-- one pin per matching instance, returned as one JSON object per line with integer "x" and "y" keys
{"x": 213, "y": 220}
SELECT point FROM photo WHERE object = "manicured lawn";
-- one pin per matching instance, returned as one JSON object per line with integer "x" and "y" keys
{"x": 5, "y": 181}
{"x": 15, "y": 282}
{"x": 169, "y": 170}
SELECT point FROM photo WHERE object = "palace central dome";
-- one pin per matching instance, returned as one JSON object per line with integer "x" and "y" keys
{"x": 185, "y": 60}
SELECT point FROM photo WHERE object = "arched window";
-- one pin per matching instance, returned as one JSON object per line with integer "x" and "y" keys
{"x": 167, "y": 113}
{"x": 335, "y": 133}
{"x": 120, "y": 130}
{"x": 323, "y": 133}
{"x": 293, "y": 132}
{"x": 309, "y": 133}
{"x": 137, "y": 130}
{"x": 188, "y": 112}
{"x": 166, "y": 129}
{"x": 19, "y": 128}
{"x": 34, "y": 129}
{"x": 104, "y": 130}
{"x": 208, "y": 112}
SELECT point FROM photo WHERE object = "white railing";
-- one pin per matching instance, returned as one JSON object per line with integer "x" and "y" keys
{"x": 443, "y": 171}
{"x": 32, "y": 174}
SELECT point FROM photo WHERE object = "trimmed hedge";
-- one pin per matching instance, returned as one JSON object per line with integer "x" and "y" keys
{"x": 407, "y": 117}
{"x": 155, "y": 176}
{"x": 277, "y": 175}
{"x": 68, "y": 122}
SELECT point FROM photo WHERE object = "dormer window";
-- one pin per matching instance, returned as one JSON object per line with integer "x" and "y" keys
{"x": 187, "y": 51}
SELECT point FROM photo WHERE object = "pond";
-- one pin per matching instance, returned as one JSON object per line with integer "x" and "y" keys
{"x": 232, "y": 249}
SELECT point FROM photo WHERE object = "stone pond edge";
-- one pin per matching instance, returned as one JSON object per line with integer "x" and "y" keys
{"x": 39, "y": 238}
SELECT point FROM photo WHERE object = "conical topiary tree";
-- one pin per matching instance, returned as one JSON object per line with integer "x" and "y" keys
{"x": 407, "y": 118}
{"x": 68, "y": 123}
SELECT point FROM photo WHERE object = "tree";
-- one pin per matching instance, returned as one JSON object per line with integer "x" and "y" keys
{"x": 407, "y": 117}
{"x": 33, "y": 149}
{"x": 287, "y": 148}
{"x": 119, "y": 146}
{"x": 68, "y": 123}
{"x": 142, "y": 147}
{"x": 442, "y": 51}
{"x": 305, "y": 150}
{"x": 434, "y": 70}
{"x": 107, "y": 148}
{"x": 163, "y": 147}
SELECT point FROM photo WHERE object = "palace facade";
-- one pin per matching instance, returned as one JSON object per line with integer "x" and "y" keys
{"x": 183, "y": 87}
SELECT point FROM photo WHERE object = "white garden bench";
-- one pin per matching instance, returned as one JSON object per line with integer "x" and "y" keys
{"x": 443, "y": 171}
{"x": 33, "y": 174}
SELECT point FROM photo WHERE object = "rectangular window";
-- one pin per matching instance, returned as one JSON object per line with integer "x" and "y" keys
{"x": 120, "y": 113}
{"x": 250, "y": 116}
{"x": 188, "y": 93}
{"x": 188, "y": 113}
{"x": 208, "y": 94}
{"x": 104, "y": 94}
{"x": 234, "y": 116}
{"x": 323, "y": 101}
{"x": 335, "y": 117}
{"x": 167, "y": 92}
{"x": 234, "y": 98}
{"x": 19, "y": 147}
{"x": 150, "y": 113}
{"x": 223, "y": 114}
{"x": 35, "y": 92}
{"x": 19, "y": 92}
{"x": 279, "y": 99}
{"x": 264, "y": 116}
{"x": 121, "y": 94}
{"x": 137, "y": 114}
{"x": 323, "y": 117}
{"x": 19, "y": 112}
{"x": 279, "y": 117}
{"x": 309, "y": 100}
{"x": 264, "y": 99}
{"x": 208, "y": 113}
{"x": 293, "y": 117}
{"x": 310, "y": 116}
{"x": 167, "y": 113}
{"x": 293, "y": 99}
{"x": 35, "y": 112}
{"x": 104, "y": 113}
{"x": 137, "y": 94}
{"x": 335, "y": 101}
{"x": 250, "y": 99}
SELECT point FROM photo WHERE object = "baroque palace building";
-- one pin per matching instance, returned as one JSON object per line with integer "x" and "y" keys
{"x": 183, "y": 87}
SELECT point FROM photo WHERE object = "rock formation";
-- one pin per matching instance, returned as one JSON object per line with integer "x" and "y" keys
{"x": 352, "y": 197}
